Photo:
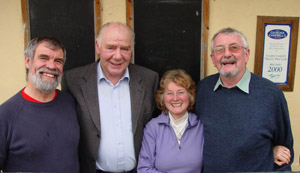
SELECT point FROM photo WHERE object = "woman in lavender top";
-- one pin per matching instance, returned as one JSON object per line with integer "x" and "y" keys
{"x": 173, "y": 141}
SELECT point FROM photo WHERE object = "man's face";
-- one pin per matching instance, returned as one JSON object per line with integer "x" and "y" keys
{"x": 229, "y": 56}
{"x": 114, "y": 51}
{"x": 46, "y": 68}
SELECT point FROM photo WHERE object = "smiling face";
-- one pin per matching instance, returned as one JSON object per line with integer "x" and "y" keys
{"x": 45, "y": 69}
{"x": 231, "y": 63}
{"x": 114, "y": 51}
{"x": 176, "y": 99}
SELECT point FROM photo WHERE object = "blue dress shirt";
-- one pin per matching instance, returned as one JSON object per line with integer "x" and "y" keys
{"x": 116, "y": 149}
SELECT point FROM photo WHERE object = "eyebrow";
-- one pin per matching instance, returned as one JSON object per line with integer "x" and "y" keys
{"x": 182, "y": 89}
{"x": 115, "y": 45}
{"x": 43, "y": 55}
{"x": 125, "y": 46}
{"x": 229, "y": 44}
{"x": 47, "y": 56}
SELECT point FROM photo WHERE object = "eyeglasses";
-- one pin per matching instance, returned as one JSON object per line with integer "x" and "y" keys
{"x": 233, "y": 48}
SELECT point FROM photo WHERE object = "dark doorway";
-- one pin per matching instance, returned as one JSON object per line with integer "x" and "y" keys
{"x": 70, "y": 21}
{"x": 168, "y": 35}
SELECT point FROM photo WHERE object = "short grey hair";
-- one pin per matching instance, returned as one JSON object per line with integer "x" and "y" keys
{"x": 230, "y": 31}
{"x": 105, "y": 26}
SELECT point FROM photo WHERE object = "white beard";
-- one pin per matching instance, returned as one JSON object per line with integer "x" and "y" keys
{"x": 45, "y": 85}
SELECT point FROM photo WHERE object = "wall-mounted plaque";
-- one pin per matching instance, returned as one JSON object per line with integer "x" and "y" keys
{"x": 276, "y": 47}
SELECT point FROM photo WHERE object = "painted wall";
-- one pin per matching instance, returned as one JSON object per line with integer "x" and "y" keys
{"x": 12, "y": 69}
{"x": 240, "y": 14}
{"x": 113, "y": 10}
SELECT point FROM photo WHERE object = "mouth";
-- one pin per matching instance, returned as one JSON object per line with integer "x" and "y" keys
{"x": 49, "y": 75}
{"x": 176, "y": 104}
{"x": 116, "y": 62}
{"x": 230, "y": 61}
{"x": 116, "y": 65}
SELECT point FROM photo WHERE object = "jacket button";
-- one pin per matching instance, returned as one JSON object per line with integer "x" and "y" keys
{"x": 98, "y": 135}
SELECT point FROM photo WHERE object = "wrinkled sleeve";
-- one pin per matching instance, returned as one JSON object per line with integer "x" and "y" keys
{"x": 146, "y": 162}
{"x": 283, "y": 134}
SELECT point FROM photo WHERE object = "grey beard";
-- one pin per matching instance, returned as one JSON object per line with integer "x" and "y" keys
{"x": 229, "y": 74}
{"x": 45, "y": 85}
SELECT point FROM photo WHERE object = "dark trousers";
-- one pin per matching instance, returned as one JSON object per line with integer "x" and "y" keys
{"x": 100, "y": 171}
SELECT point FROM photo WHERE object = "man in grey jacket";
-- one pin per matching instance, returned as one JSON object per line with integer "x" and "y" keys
{"x": 115, "y": 99}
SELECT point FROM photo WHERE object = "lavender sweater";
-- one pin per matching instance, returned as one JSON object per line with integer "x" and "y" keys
{"x": 160, "y": 150}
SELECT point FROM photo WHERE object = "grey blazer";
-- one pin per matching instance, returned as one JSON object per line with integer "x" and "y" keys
{"x": 81, "y": 82}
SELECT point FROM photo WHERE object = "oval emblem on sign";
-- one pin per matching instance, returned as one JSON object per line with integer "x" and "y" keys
{"x": 277, "y": 34}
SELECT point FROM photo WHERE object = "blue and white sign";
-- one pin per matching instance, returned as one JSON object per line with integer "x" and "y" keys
{"x": 276, "y": 52}
{"x": 277, "y": 34}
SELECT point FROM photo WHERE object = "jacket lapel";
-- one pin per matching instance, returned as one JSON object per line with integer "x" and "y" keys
{"x": 89, "y": 90}
{"x": 137, "y": 92}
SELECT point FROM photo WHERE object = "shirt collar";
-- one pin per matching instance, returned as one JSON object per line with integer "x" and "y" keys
{"x": 101, "y": 76}
{"x": 243, "y": 84}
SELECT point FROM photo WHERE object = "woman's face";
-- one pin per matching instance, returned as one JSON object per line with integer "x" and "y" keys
{"x": 176, "y": 99}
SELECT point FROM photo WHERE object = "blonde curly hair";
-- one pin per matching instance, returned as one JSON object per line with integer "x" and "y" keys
{"x": 180, "y": 78}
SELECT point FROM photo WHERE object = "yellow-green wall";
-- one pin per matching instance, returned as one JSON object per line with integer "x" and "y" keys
{"x": 240, "y": 14}
{"x": 12, "y": 70}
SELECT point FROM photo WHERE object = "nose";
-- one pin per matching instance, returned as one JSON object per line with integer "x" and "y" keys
{"x": 51, "y": 65}
{"x": 175, "y": 96}
{"x": 118, "y": 54}
{"x": 227, "y": 52}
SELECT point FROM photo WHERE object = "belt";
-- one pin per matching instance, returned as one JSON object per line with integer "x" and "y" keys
{"x": 100, "y": 171}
